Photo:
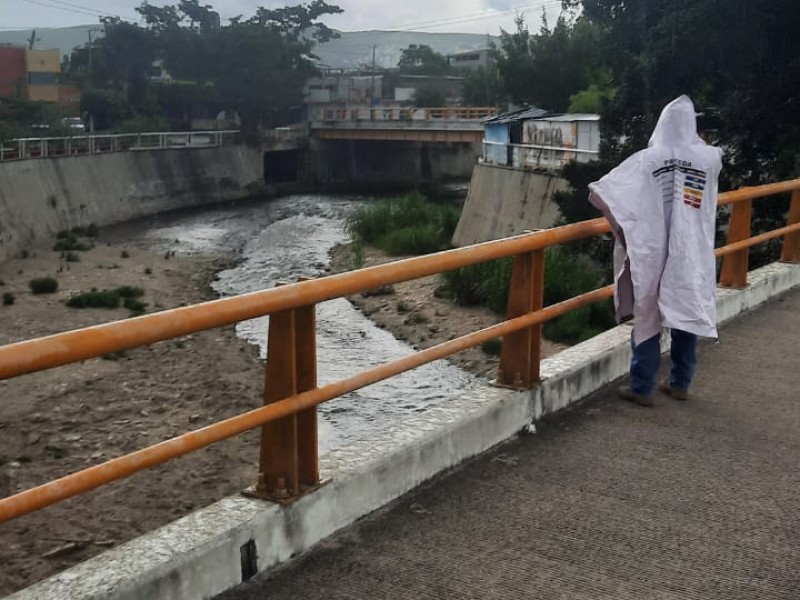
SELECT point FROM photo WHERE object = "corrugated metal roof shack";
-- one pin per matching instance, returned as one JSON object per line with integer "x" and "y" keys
{"x": 502, "y": 131}
{"x": 535, "y": 139}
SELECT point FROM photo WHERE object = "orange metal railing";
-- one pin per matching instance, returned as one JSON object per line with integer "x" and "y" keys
{"x": 288, "y": 460}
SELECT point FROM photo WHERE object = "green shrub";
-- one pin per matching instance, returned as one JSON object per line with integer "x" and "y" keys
{"x": 71, "y": 257}
{"x": 484, "y": 284}
{"x": 71, "y": 243}
{"x": 43, "y": 285}
{"x": 115, "y": 356}
{"x": 125, "y": 254}
{"x": 413, "y": 240}
{"x": 148, "y": 271}
{"x": 8, "y": 299}
{"x": 137, "y": 307}
{"x": 126, "y": 294}
{"x": 406, "y": 225}
{"x": 566, "y": 276}
{"x": 357, "y": 254}
{"x": 95, "y": 299}
{"x": 2, "y": 283}
{"x": 128, "y": 291}
{"x": 88, "y": 231}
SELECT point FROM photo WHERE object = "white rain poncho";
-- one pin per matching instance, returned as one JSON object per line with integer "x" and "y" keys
{"x": 662, "y": 204}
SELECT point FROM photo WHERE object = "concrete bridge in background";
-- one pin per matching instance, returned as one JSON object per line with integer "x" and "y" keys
{"x": 433, "y": 125}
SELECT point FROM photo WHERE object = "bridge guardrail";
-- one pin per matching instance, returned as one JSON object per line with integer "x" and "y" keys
{"x": 80, "y": 145}
{"x": 288, "y": 452}
{"x": 398, "y": 113}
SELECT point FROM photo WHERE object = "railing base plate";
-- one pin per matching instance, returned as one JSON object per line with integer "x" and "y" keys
{"x": 254, "y": 493}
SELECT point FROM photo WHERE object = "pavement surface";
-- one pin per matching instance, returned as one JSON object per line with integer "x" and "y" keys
{"x": 607, "y": 501}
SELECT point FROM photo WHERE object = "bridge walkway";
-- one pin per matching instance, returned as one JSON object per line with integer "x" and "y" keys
{"x": 609, "y": 501}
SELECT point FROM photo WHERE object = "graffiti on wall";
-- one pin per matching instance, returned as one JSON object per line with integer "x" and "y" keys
{"x": 546, "y": 133}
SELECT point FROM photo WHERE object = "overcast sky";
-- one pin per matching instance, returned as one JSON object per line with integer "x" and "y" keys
{"x": 467, "y": 16}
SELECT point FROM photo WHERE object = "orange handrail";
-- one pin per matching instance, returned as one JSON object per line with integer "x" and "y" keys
{"x": 73, "y": 346}
{"x": 92, "y": 342}
{"x": 82, "y": 481}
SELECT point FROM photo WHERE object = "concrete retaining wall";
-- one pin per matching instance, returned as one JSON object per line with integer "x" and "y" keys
{"x": 200, "y": 555}
{"x": 41, "y": 197}
{"x": 503, "y": 202}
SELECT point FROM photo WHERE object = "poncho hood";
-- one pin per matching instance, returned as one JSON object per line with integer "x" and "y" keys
{"x": 677, "y": 125}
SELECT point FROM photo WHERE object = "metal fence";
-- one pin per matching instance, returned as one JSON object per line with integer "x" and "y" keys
{"x": 83, "y": 145}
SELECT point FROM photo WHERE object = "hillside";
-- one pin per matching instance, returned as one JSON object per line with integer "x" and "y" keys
{"x": 348, "y": 52}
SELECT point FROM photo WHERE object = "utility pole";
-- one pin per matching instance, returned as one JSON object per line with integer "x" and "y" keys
{"x": 372, "y": 93}
{"x": 89, "y": 78}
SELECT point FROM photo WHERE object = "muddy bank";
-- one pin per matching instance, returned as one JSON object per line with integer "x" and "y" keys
{"x": 72, "y": 417}
{"x": 412, "y": 312}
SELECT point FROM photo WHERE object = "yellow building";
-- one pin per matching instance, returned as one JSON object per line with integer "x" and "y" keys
{"x": 44, "y": 71}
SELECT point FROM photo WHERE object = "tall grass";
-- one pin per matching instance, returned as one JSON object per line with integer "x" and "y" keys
{"x": 406, "y": 225}
{"x": 566, "y": 276}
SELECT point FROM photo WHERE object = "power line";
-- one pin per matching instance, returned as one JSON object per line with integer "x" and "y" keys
{"x": 483, "y": 15}
{"x": 77, "y": 9}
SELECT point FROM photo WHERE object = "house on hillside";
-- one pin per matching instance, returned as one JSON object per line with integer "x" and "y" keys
{"x": 473, "y": 59}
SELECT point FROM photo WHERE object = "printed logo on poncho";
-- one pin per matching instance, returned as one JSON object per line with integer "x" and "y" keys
{"x": 694, "y": 182}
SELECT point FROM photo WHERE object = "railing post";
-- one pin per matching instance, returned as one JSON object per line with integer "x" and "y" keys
{"x": 522, "y": 350}
{"x": 791, "y": 243}
{"x": 734, "y": 266}
{"x": 289, "y": 464}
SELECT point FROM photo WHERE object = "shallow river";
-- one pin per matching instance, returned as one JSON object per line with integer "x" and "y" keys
{"x": 281, "y": 240}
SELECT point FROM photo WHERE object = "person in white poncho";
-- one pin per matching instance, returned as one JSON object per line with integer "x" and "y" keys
{"x": 662, "y": 204}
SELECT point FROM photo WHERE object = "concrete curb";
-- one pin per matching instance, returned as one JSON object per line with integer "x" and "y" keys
{"x": 211, "y": 550}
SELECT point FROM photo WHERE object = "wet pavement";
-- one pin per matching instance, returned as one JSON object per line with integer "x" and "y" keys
{"x": 608, "y": 501}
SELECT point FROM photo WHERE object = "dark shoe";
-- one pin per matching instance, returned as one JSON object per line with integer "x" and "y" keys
{"x": 626, "y": 394}
{"x": 673, "y": 392}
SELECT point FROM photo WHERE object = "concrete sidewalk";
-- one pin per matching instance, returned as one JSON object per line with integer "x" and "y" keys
{"x": 610, "y": 500}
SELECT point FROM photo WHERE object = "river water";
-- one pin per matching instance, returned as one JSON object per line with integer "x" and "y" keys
{"x": 284, "y": 239}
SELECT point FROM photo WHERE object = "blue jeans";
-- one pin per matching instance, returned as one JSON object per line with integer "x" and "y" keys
{"x": 646, "y": 360}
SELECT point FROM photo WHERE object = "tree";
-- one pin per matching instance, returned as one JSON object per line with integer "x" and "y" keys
{"x": 739, "y": 61}
{"x": 422, "y": 60}
{"x": 256, "y": 67}
{"x": 548, "y": 68}
{"x": 482, "y": 87}
{"x": 429, "y": 96}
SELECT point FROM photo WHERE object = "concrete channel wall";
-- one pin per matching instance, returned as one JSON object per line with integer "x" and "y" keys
{"x": 41, "y": 197}
{"x": 503, "y": 202}
{"x": 203, "y": 554}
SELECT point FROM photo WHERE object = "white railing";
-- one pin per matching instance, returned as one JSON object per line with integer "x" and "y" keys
{"x": 533, "y": 156}
{"x": 82, "y": 145}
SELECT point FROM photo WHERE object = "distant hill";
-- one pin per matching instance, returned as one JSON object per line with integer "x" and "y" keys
{"x": 354, "y": 48}
{"x": 350, "y": 51}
